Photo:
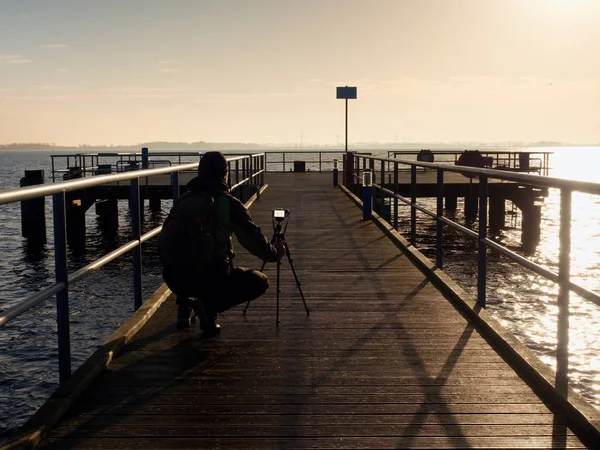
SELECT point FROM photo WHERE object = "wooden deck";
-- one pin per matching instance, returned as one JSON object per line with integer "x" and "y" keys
{"x": 383, "y": 360}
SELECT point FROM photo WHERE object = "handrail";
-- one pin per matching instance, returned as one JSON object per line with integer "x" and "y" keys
{"x": 523, "y": 178}
{"x": 252, "y": 166}
{"x": 480, "y": 178}
{"x": 125, "y": 158}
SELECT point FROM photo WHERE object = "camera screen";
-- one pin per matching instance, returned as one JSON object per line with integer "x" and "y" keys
{"x": 279, "y": 213}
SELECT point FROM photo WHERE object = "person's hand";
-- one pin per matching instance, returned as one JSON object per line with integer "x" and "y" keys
{"x": 280, "y": 247}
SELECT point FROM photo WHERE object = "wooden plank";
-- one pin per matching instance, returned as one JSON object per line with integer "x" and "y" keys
{"x": 384, "y": 443}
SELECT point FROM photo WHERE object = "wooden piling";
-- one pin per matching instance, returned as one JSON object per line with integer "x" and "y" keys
{"x": 155, "y": 202}
{"x": 107, "y": 210}
{"x": 471, "y": 206}
{"x": 497, "y": 213}
{"x": 75, "y": 212}
{"x": 33, "y": 212}
{"x": 451, "y": 203}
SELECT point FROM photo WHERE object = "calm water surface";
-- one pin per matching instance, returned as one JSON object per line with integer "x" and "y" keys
{"x": 522, "y": 301}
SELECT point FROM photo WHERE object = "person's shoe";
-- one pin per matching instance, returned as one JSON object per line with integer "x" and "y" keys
{"x": 184, "y": 317}
{"x": 207, "y": 318}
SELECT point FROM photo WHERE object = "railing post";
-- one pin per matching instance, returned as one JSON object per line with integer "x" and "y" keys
{"x": 413, "y": 202}
{"x": 237, "y": 178}
{"x": 564, "y": 279}
{"x": 242, "y": 195}
{"x": 367, "y": 194}
{"x": 283, "y": 161}
{"x": 382, "y": 194}
{"x": 396, "y": 196}
{"x": 136, "y": 232}
{"x": 62, "y": 276}
{"x": 335, "y": 172}
{"x": 482, "y": 263}
{"x": 439, "y": 248}
{"x": 145, "y": 157}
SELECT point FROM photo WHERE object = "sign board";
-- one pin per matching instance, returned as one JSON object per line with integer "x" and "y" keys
{"x": 346, "y": 92}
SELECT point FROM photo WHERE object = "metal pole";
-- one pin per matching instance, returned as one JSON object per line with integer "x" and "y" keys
{"x": 62, "y": 276}
{"x": 346, "y": 125}
{"x": 367, "y": 194}
{"x": 413, "y": 202}
{"x": 564, "y": 279}
{"x": 439, "y": 251}
{"x": 482, "y": 264}
{"x": 136, "y": 233}
{"x": 396, "y": 196}
{"x": 382, "y": 184}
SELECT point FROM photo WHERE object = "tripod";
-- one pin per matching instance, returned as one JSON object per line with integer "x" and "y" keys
{"x": 279, "y": 237}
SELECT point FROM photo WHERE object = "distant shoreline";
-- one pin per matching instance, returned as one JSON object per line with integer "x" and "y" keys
{"x": 203, "y": 146}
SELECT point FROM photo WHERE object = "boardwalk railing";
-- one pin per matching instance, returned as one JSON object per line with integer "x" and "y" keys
{"x": 76, "y": 165}
{"x": 524, "y": 161}
{"x": 246, "y": 177}
{"x": 377, "y": 168}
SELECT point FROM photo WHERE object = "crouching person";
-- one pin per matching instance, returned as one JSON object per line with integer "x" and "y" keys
{"x": 197, "y": 253}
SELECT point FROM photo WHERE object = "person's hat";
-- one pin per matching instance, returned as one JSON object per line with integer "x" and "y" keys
{"x": 212, "y": 164}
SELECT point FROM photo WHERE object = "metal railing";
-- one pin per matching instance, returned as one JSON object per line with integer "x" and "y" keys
{"x": 246, "y": 177}
{"x": 523, "y": 161}
{"x": 77, "y": 165}
{"x": 480, "y": 178}
{"x": 319, "y": 161}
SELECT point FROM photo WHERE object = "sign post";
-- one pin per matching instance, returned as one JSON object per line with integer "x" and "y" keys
{"x": 346, "y": 93}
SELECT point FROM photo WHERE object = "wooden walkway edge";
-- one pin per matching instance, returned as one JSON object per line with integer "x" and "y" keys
{"x": 384, "y": 360}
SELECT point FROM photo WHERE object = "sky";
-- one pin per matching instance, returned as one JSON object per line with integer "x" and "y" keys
{"x": 107, "y": 72}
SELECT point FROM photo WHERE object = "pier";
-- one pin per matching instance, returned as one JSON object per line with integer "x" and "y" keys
{"x": 393, "y": 354}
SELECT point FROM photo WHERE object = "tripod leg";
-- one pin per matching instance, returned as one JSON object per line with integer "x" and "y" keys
{"x": 289, "y": 258}
{"x": 278, "y": 291}
{"x": 248, "y": 302}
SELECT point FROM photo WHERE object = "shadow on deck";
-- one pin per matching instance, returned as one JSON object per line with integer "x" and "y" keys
{"x": 383, "y": 360}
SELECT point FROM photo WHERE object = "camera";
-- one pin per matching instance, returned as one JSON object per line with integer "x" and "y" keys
{"x": 280, "y": 214}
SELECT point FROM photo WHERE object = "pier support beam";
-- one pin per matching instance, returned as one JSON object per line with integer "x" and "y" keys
{"x": 108, "y": 214}
{"x": 451, "y": 203}
{"x": 75, "y": 213}
{"x": 76, "y": 225}
{"x": 155, "y": 204}
{"x": 497, "y": 213}
{"x": 33, "y": 213}
{"x": 471, "y": 206}
{"x": 530, "y": 227}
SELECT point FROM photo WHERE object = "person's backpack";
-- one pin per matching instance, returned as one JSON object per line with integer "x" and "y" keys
{"x": 187, "y": 237}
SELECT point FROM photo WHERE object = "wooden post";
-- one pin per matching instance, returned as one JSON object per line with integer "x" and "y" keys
{"x": 33, "y": 212}
{"x": 497, "y": 213}
{"x": 451, "y": 203}
{"x": 75, "y": 211}
{"x": 108, "y": 211}
{"x": 530, "y": 226}
{"x": 471, "y": 206}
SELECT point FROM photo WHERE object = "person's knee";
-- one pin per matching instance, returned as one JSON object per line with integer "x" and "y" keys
{"x": 259, "y": 284}
{"x": 263, "y": 283}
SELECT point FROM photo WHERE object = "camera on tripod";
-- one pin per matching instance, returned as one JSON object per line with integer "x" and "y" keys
{"x": 280, "y": 214}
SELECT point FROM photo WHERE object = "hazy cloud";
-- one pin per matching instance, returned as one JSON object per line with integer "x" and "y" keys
{"x": 13, "y": 59}
{"x": 46, "y": 87}
{"x": 53, "y": 46}
{"x": 167, "y": 61}
{"x": 168, "y": 70}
